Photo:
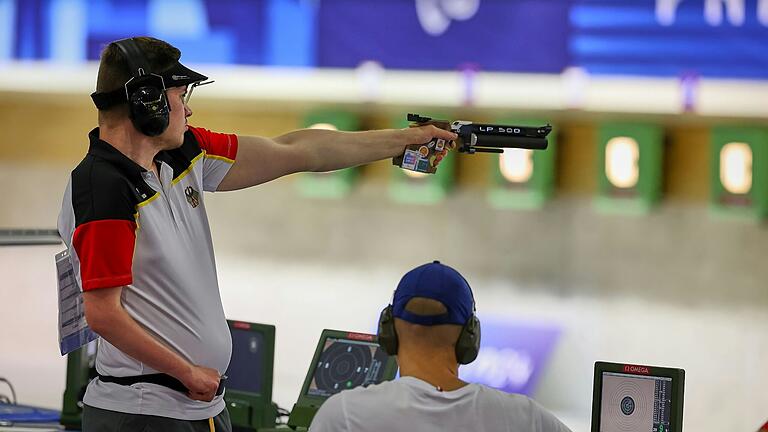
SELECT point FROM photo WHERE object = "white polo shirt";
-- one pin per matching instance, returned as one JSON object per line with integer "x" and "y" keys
{"x": 126, "y": 227}
{"x": 410, "y": 404}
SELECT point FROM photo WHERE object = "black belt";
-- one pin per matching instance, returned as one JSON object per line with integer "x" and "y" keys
{"x": 158, "y": 378}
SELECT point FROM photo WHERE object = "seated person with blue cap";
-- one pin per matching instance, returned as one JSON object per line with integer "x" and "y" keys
{"x": 432, "y": 328}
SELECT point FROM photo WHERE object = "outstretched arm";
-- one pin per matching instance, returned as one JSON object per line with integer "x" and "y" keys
{"x": 260, "y": 160}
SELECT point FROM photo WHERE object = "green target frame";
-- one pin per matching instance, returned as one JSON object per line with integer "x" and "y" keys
{"x": 641, "y": 197}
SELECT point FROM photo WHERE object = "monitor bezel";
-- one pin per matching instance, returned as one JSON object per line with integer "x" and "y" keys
{"x": 677, "y": 393}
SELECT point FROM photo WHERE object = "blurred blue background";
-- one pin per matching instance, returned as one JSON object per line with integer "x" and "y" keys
{"x": 637, "y": 37}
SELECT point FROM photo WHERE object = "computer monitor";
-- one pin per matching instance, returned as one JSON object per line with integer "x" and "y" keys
{"x": 632, "y": 398}
{"x": 249, "y": 376}
{"x": 342, "y": 361}
{"x": 81, "y": 369}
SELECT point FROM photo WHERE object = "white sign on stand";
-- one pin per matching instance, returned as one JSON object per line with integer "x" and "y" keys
{"x": 73, "y": 330}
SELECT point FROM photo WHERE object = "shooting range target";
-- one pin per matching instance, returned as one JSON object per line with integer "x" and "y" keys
{"x": 343, "y": 366}
{"x": 627, "y": 404}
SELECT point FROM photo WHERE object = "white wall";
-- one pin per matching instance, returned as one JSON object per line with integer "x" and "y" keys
{"x": 29, "y": 347}
{"x": 722, "y": 350}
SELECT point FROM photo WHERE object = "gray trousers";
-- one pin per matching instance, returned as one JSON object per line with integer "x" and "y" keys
{"x": 99, "y": 420}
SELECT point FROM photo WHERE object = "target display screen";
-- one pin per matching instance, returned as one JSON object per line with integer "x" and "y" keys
{"x": 634, "y": 403}
{"x": 345, "y": 364}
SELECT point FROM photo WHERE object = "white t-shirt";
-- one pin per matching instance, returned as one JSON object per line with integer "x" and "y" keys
{"x": 410, "y": 404}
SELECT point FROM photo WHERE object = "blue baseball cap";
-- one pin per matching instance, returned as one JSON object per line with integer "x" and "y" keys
{"x": 439, "y": 282}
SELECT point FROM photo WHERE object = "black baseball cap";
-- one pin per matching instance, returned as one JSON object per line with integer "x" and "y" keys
{"x": 177, "y": 75}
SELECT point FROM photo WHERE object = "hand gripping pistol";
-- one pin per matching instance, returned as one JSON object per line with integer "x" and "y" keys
{"x": 473, "y": 137}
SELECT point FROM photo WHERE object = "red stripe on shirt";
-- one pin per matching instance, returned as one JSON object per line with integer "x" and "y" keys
{"x": 217, "y": 144}
{"x": 105, "y": 249}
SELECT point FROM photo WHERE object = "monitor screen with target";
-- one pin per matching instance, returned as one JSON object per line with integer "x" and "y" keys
{"x": 342, "y": 361}
{"x": 633, "y": 398}
{"x": 346, "y": 364}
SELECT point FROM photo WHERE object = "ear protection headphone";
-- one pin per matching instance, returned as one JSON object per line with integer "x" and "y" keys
{"x": 467, "y": 346}
{"x": 145, "y": 91}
